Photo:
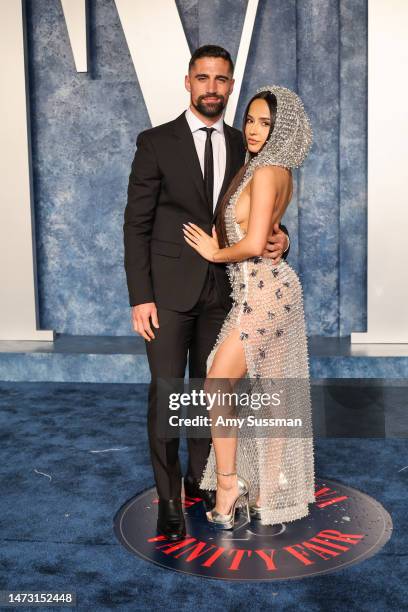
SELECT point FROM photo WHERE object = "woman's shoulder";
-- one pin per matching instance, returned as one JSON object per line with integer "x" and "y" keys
{"x": 276, "y": 175}
{"x": 271, "y": 169}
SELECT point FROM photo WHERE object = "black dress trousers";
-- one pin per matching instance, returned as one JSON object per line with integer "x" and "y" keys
{"x": 181, "y": 335}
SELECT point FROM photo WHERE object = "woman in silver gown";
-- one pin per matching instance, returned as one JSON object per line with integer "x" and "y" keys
{"x": 263, "y": 337}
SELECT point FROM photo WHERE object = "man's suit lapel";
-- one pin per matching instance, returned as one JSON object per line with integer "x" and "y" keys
{"x": 229, "y": 167}
{"x": 188, "y": 152}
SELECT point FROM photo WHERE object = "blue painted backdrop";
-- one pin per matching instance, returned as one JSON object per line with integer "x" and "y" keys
{"x": 84, "y": 128}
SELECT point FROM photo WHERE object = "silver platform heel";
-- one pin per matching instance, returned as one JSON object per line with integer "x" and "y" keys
{"x": 255, "y": 510}
{"x": 227, "y": 521}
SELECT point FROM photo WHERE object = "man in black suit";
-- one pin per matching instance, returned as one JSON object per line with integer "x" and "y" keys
{"x": 180, "y": 173}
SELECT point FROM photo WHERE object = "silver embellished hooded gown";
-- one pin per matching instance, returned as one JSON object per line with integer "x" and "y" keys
{"x": 268, "y": 311}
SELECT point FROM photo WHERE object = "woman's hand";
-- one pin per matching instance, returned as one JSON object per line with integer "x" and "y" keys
{"x": 204, "y": 244}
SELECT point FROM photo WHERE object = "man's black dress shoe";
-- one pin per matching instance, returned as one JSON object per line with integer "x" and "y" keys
{"x": 192, "y": 489}
{"x": 170, "y": 520}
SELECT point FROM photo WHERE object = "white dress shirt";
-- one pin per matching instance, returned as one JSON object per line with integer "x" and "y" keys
{"x": 218, "y": 145}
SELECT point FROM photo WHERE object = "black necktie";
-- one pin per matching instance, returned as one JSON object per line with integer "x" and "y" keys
{"x": 209, "y": 167}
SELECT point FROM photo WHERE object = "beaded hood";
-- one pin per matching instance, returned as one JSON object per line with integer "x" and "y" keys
{"x": 292, "y": 136}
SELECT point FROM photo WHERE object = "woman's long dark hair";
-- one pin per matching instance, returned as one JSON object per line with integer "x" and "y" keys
{"x": 270, "y": 99}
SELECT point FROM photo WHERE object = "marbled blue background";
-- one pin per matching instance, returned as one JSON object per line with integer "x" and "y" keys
{"x": 84, "y": 128}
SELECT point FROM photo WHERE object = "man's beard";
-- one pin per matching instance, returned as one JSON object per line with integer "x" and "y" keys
{"x": 209, "y": 109}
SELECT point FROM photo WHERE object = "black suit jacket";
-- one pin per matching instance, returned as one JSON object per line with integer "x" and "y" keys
{"x": 166, "y": 189}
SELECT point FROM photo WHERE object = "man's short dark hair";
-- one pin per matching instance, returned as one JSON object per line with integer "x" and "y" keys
{"x": 211, "y": 51}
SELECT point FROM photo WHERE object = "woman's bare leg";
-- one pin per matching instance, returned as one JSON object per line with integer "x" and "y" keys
{"x": 228, "y": 365}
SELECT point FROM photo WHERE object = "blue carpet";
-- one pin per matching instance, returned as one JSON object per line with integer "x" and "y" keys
{"x": 59, "y": 498}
